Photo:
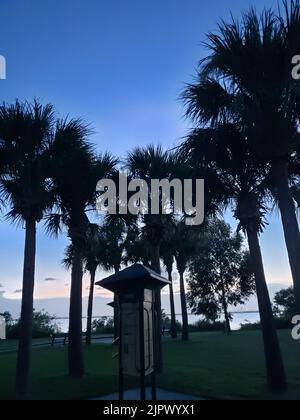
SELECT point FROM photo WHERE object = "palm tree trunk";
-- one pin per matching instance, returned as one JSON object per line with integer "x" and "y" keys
{"x": 172, "y": 306}
{"x": 225, "y": 309}
{"x": 25, "y": 339}
{"x": 155, "y": 258}
{"x": 289, "y": 222}
{"x": 90, "y": 309}
{"x": 116, "y": 316}
{"x": 76, "y": 363}
{"x": 185, "y": 321}
{"x": 116, "y": 310}
{"x": 274, "y": 363}
{"x": 155, "y": 265}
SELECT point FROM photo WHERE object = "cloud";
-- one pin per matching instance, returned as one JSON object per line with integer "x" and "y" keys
{"x": 103, "y": 293}
{"x": 18, "y": 292}
{"x": 1, "y": 286}
{"x": 50, "y": 279}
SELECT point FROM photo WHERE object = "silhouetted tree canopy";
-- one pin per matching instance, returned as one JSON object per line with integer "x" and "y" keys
{"x": 221, "y": 273}
{"x": 285, "y": 303}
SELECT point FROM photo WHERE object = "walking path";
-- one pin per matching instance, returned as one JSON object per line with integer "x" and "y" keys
{"x": 12, "y": 345}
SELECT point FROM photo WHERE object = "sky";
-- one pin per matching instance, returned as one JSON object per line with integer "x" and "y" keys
{"x": 120, "y": 65}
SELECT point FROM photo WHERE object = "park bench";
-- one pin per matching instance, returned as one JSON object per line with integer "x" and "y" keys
{"x": 166, "y": 332}
{"x": 61, "y": 338}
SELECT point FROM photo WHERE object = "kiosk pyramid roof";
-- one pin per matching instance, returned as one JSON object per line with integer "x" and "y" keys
{"x": 137, "y": 276}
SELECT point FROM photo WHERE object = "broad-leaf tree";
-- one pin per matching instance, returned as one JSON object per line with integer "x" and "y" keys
{"x": 285, "y": 303}
{"x": 220, "y": 275}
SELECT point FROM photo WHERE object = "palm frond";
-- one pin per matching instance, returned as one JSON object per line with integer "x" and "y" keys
{"x": 54, "y": 224}
{"x": 68, "y": 258}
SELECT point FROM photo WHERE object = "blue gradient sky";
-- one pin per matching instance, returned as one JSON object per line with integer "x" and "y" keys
{"x": 121, "y": 65}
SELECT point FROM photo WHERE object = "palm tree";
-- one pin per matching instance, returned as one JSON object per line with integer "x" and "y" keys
{"x": 137, "y": 248}
{"x": 114, "y": 233}
{"x": 225, "y": 150}
{"x": 185, "y": 242}
{"x": 76, "y": 171}
{"x": 147, "y": 164}
{"x": 138, "y": 251}
{"x": 25, "y": 131}
{"x": 243, "y": 56}
{"x": 94, "y": 251}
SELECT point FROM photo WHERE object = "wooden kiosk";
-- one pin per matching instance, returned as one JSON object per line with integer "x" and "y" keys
{"x": 136, "y": 288}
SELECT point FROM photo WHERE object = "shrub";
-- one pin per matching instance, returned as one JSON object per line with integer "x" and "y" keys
{"x": 281, "y": 323}
{"x": 43, "y": 326}
{"x": 104, "y": 325}
{"x": 206, "y": 326}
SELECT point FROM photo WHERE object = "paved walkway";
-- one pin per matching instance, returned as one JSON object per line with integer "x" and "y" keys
{"x": 162, "y": 395}
{"x": 11, "y": 346}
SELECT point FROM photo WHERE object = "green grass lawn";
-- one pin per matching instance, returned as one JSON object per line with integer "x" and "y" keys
{"x": 210, "y": 365}
{"x": 218, "y": 366}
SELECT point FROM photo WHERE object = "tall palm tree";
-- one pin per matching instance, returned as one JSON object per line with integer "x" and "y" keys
{"x": 137, "y": 251}
{"x": 94, "y": 251}
{"x": 76, "y": 171}
{"x": 185, "y": 242}
{"x": 114, "y": 231}
{"x": 137, "y": 248}
{"x": 149, "y": 163}
{"x": 26, "y": 133}
{"x": 167, "y": 255}
{"x": 225, "y": 150}
{"x": 253, "y": 57}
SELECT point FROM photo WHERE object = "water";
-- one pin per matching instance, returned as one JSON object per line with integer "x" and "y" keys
{"x": 63, "y": 323}
{"x": 238, "y": 319}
